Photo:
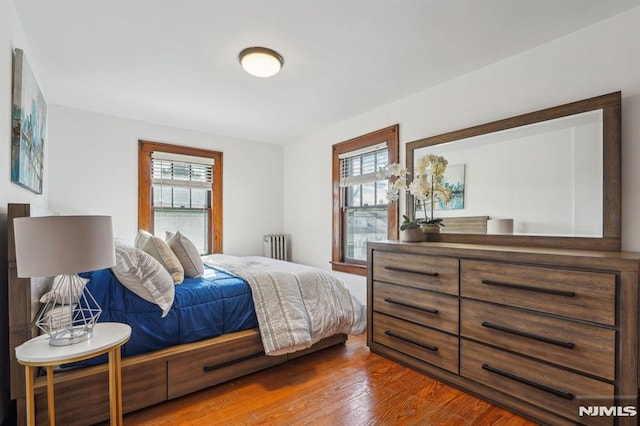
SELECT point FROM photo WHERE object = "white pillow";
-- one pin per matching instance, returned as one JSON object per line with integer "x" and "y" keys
{"x": 59, "y": 293}
{"x": 143, "y": 275}
{"x": 187, "y": 254}
{"x": 141, "y": 237}
{"x": 161, "y": 252}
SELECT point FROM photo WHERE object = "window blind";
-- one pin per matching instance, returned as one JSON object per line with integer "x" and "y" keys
{"x": 360, "y": 167}
{"x": 173, "y": 170}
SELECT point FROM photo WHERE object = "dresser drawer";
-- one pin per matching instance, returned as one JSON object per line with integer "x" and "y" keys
{"x": 588, "y": 296}
{"x": 579, "y": 346}
{"x": 414, "y": 270}
{"x": 547, "y": 387}
{"x": 435, "y": 310}
{"x": 416, "y": 341}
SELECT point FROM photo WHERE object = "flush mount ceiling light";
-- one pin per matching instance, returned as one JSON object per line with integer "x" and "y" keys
{"x": 261, "y": 61}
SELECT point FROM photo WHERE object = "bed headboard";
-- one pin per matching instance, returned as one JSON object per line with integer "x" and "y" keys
{"x": 24, "y": 295}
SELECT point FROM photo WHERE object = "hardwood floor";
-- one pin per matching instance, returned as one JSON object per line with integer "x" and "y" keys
{"x": 344, "y": 385}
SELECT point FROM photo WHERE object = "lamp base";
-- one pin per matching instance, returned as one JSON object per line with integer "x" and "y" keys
{"x": 70, "y": 312}
{"x": 70, "y": 336}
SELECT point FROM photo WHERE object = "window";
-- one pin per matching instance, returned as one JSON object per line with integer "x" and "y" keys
{"x": 180, "y": 189}
{"x": 361, "y": 211}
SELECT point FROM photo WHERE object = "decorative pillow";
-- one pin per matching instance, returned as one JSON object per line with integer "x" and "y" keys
{"x": 59, "y": 293}
{"x": 143, "y": 275}
{"x": 142, "y": 237}
{"x": 161, "y": 252}
{"x": 187, "y": 254}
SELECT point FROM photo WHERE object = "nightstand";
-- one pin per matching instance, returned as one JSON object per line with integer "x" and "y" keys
{"x": 108, "y": 337}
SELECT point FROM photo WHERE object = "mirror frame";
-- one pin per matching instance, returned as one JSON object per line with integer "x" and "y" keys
{"x": 610, "y": 104}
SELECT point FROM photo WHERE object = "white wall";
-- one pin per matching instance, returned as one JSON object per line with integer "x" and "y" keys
{"x": 93, "y": 168}
{"x": 600, "y": 59}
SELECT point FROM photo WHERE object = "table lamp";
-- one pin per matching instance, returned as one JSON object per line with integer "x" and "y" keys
{"x": 62, "y": 246}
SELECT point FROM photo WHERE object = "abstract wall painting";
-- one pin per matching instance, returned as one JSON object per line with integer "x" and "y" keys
{"x": 29, "y": 127}
{"x": 454, "y": 179}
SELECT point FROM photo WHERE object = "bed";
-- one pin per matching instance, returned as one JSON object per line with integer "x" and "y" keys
{"x": 176, "y": 359}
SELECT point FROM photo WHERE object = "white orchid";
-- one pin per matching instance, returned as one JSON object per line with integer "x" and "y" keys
{"x": 391, "y": 170}
{"x": 427, "y": 183}
{"x": 393, "y": 191}
{"x": 398, "y": 182}
{"x": 426, "y": 186}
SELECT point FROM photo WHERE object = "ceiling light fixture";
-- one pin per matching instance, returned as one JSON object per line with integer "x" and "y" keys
{"x": 261, "y": 61}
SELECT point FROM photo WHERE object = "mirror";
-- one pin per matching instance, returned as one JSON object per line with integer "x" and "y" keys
{"x": 550, "y": 178}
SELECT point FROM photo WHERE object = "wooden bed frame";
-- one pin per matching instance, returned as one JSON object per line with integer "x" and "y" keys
{"x": 147, "y": 379}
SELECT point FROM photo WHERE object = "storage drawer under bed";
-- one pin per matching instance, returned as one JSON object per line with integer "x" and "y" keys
{"x": 201, "y": 368}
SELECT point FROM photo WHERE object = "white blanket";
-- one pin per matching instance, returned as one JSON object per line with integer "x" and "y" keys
{"x": 296, "y": 305}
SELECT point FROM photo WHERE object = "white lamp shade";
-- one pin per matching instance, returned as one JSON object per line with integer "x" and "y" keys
{"x": 261, "y": 61}
{"x": 54, "y": 245}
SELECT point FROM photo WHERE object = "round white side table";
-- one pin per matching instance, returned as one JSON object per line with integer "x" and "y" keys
{"x": 108, "y": 337}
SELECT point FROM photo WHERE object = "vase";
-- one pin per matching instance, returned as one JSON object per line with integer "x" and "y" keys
{"x": 411, "y": 235}
{"x": 431, "y": 228}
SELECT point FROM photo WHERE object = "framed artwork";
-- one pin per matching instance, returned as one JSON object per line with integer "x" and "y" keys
{"x": 454, "y": 179}
{"x": 29, "y": 127}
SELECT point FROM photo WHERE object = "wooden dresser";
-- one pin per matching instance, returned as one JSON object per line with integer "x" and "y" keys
{"x": 541, "y": 332}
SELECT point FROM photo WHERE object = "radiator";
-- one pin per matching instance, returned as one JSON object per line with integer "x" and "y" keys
{"x": 275, "y": 246}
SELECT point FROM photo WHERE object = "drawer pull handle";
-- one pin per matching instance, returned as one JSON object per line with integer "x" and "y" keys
{"x": 565, "y": 395}
{"x": 530, "y": 288}
{"x": 567, "y": 345}
{"x": 412, "y": 271}
{"x": 410, "y": 305}
{"x": 209, "y": 368}
{"x": 410, "y": 340}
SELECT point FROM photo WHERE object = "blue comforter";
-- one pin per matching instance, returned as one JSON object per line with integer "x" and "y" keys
{"x": 206, "y": 307}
